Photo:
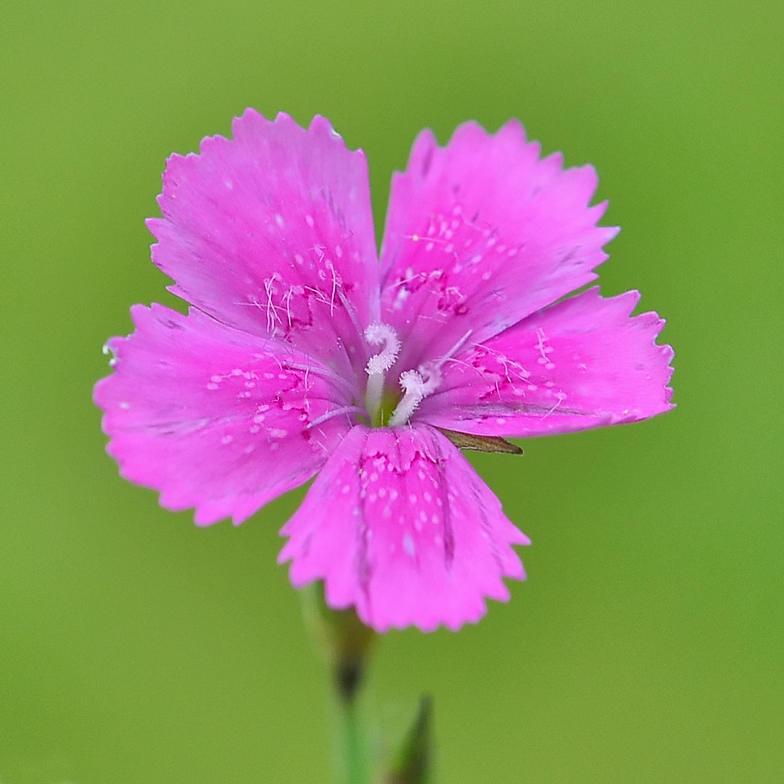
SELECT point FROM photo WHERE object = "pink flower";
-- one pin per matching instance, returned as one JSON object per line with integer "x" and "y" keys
{"x": 304, "y": 354}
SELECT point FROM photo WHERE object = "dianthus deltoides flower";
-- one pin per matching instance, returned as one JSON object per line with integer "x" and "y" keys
{"x": 305, "y": 354}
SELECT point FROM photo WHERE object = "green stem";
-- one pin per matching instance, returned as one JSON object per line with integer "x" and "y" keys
{"x": 345, "y": 642}
{"x": 353, "y": 741}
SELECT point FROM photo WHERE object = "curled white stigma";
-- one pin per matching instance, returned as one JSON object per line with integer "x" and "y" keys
{"x": 417, "y": 385}
{"x": 379, "y": 334}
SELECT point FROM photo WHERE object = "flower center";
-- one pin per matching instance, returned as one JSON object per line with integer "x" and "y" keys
{"x": 386, "y": 407}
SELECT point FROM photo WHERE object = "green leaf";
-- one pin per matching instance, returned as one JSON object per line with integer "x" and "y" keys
{"x": 413, "y": 762}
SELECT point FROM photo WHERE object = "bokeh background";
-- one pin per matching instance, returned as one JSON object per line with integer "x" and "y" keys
{"x": 648, "y": 643}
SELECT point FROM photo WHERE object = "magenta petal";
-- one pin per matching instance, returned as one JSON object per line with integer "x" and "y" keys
{"x": 581, "y": 363}
{"x": 482, "y": 233}
{"x": 399, "y": 525}
{"x": 215, "y": 418}
{"x": 272, "y": 232}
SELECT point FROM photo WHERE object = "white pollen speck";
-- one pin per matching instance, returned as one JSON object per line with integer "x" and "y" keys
{"x": 250, "y": 384}
{"x": 309, "y": 220}
{"x": 532, "y": 387}
{"x": 393, "y": 494}
{"x": 448, "y": 234}
{"x": 435, "y": 519}
{"x": 227, "y": 439}
{"x": 382, "y": 492}
{"x": 346, "y": 489}
{"x": 423, "y": 516}
{"x": 429, "y": 246}
{"x": 408, "y": 545}
{"x": 254, "y": 429}
{"x": 274, "y": 446}
{"x": 269, "y": 376}
{"x": 487, "y": 276}
{"x": 242, "y": 395}
{"x": 387, "y": 513}
{"x": 412, "y": 498}
{"x": 339, "y": 251}
{"x": 125, "y": 406}
{"x": 248, "y": 449}
{"x": 278, "y": 432}
{"x": 374, "y": 477}
{"x": 216, "y": 379}
{"x": 421, "y": 474}
{"x": 259, "y": 418}
{"x": 428, "y": 497}
{"x": 549, "y": 366}
{"x": 500, "y": 421}
{"x": 236, "y": 372}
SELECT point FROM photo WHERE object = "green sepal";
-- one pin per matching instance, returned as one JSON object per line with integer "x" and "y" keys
{"x": 481, "y": 443}
{"x": 341, "y": 637}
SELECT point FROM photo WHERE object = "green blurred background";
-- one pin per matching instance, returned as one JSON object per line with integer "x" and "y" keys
{"x": 648, "y": 643}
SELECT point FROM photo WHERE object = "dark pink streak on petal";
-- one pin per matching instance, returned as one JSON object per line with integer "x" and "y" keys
{"x": 272, "y": 232}
{"x": 215, "y": 418}
{"x": 482, "y": 233}
{"x": 581, "y": 363}
{"x": 399, "y": 525}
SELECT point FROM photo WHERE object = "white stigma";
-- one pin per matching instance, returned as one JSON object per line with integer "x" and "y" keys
{"x": 379, "y": 334}
{"x": 382, "y": 334}
{"x": 417, "y": 385}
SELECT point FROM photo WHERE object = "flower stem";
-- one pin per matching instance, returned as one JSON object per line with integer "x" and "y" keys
{"x": 345, "y": 642}
{"x": 354, "y": 757}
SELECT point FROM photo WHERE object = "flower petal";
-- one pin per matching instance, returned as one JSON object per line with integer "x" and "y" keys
{"x": 482, "y": 233}
{"x": 581, "y": 363}
{"x": 272, "y": 232}
{"x": 214, "y": 417}
{"x": 399, "y": 525}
